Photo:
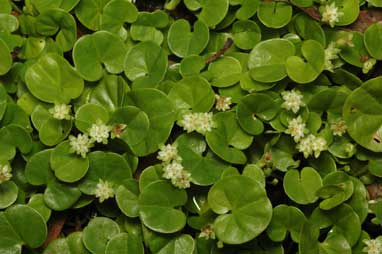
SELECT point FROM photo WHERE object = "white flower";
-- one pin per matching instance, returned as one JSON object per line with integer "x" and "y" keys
{"x": 292, "y": 100}
{"x": 368, "y": 65}
{"x": 373, "y": 246}
{"x": 331, "y": 14}
{"x": 296, "y": 128}
{"x": 312, "y": 145}
{"x": 168, "y": 153}
{"x": 182, "y": 180}
{"x": 104, "y": 190}
{"x": 80, "y": 144}
{"x": 200, "y": 122}
{"x": 61, "y": 111}
{"x": 99, "y": 132}
{"x": 172, "y": 170}
{"x": 338, "y": 128}
{"x": 222, "y": 103}
{"x": 332, "y": 59}
{"x": 318, "y": 145}
{"x": 207, "y": 232}
{"x": 5, "y": 173}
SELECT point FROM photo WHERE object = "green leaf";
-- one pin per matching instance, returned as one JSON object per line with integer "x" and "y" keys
{"x": 192, "y": 93}
{"x": 146, "y": 64}
{"x": 307, "y": 69}
{"x": 213, "y": 11}
{"x": 224, "y": 72}
{"x": 8, "y": 23}
{"x": 60, "y": 23}
{"x": 249, "y": 207}
{"x": 59, "y": 196}
{"x": 253, "y": 109}
{"x": 37, "y": 202}
{"x": 89, "y": 13}
{"x": 116, "y": 13}
{"x": 301, "y": 186}
{"x": 161, "y": 114}
{"x": 267, "y": 60}
{"x": 12, "y": 137}
{"x": 246, "y": 34}
{"x": 183, "y": 244}
{"x": 157, "y": 203}
{"x": 106, "y": 166}
{"x": 27, "y": 223}
{"x": 43, "y": 5}
{"x": 274, "y": 14}
{"x": 67, "y": 166}
{"x": 127, "y": 198}
{"x": 182, "y": 42}
{"x": 285, "y": 219}
{"x": 94, "y": 51}
{"x": 52, "y": 79}
{"x": 89, "y": 114}
{"x": 6, "y": 58}
{"x": 342, "y": 220}
{"x": 98, "y": 233}
{"x": 228, "y": 139}
{"x": 364, "y": 120}
{"x": 124, "y": 243}
{"x": 8, "y": 194}
{"x": 372, "y": 39}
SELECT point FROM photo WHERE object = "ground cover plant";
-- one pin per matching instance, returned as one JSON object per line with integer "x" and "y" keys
{"x": 190, "y": 127}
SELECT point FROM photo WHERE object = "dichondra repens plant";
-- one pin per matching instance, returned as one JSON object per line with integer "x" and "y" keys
{"x": 190, "y": 127}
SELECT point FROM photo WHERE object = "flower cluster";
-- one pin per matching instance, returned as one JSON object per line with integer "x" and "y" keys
{"x": 199, "y": 122}
{"x": 5, "y": 173}
{"x": 104, "y": 190}
{"x": 338, "y": 127}
{"x": 207, "y": 232}
{"x": 80, "y": 144}
{"x": 292, "y": 100}
{"x": 368, "y": 65}
{"x": 61, "y": 111}
{"x": 373, "y": 246}
{"x": 312, "y": 145}
{"x": 172, "y": 167}
{"x": 332, "y": 60}
{"x": 331, "y": 14}
{"x": 99, "y": 132}
{"x": 222, "y": 103}
{"x": 296, "y": 128}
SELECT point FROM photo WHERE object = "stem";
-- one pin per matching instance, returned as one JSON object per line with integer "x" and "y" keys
{"x": 15, "y": 7}
{"x": 221, "y": 52}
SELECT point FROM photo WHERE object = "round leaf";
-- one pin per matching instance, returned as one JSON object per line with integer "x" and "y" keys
{"x": 249, "y": 207}
{"x": 8, "y": 194}
{"x": 301, "y": 186}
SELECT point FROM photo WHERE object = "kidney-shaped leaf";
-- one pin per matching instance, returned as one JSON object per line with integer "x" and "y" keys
{"x": 364, "y": 120}
{"x": 52, "y": 79}
{"x": 266, "y": 61}
{"x": 182, "y": 42}
{"x": 5, "y": 58}
{"x": 306, "y": 70}
{"x": 249, "y": 207}
{"x": 302, "y": 186}
{"x": 92, "y": 52}
{"x": 157, "y": 207}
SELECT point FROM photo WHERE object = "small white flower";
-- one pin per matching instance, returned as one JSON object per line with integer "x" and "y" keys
{"x": 368, "y": 65}
{"x": 99, "y": 132}
{"x": 182, "y": 180}
{"x": 168, "y": 153}
{"x": 5, "y": 173}
{"x": 222, "y": 103}
{"x": 199, "y": 122}
{"x": 331, "y": 14}
{"x": 172, "y": 170}
{"x": 80, "y": 144}
{"x": 318, "y": 145}
{"x": 312, "y": 145}
{"x": 373, "y": 246}
{"x": 338, "y": 128}
{"x": 332, "y": 59}
{"x": 104, "y": 190}
{"x": 292, "y": 100}
{"x": 296, "y": 128}
{"x": 207, "y": 232}
{"x": 61, "y": 111}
